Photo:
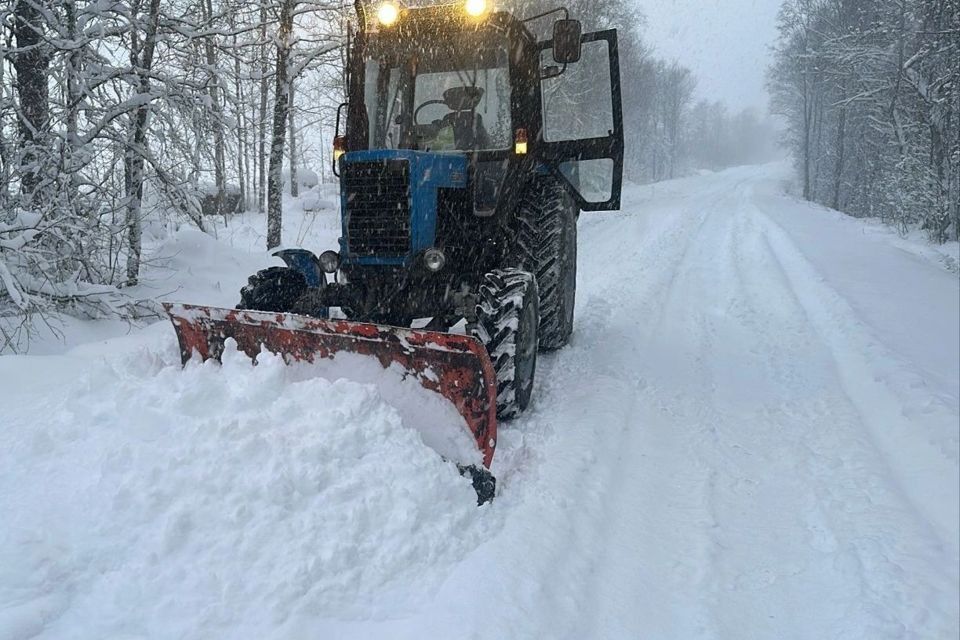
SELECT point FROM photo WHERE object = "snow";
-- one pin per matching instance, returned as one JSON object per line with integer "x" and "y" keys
{"x": 158, "y": 502}
{"x": 753, "y": 434}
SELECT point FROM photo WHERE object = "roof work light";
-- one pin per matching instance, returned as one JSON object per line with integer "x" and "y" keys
{"x": 388, "y": 13}
{"x": 476, "y": 8}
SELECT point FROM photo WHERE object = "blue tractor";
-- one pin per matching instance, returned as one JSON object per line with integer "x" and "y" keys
{"x": 469, "y": 147}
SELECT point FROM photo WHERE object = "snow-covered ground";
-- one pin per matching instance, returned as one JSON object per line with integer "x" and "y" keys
{"x": 753, "y": 434}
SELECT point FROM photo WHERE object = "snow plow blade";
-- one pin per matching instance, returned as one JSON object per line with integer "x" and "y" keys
{"x": 455, "y": 366}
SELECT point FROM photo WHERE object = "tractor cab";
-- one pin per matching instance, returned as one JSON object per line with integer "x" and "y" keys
{"x": 438, "y": 83}
{"x": 466, "y": 80}
{"x": 452, "y": 95}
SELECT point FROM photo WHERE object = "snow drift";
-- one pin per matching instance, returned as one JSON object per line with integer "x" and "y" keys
{"x": 151, "y": 501}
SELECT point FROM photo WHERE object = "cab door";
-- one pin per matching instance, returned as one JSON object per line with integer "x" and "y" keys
{"x": 582, "y": 115}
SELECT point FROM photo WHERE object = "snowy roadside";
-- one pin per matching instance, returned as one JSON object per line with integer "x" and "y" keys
{"x": 188, "y": 265}
{"x": 915, "y": 241}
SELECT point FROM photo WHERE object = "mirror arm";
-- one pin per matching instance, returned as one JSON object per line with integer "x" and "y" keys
{"x": 566, "y": 14}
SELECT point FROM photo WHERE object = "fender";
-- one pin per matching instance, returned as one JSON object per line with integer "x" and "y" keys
{"x": 306, "y": 263}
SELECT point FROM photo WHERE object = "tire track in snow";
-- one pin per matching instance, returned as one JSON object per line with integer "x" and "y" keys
{"x": 553, "y": 463}
{"x": 635, "y": 514}
{"x": 899, "y": 542}
{"x": 753, "y": 437}
{"x": 777, "y": 544}
{"x": 793, "y": 428}
{"x": 695, "y": 466}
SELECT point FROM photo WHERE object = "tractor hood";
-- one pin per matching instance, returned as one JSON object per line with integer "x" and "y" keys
{"x": 389, "y": 202}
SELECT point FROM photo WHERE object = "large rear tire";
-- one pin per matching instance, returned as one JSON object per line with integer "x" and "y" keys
{"x": 547, "y": 247}
{"x": 275, "y": 289}
{"x": 508, "y": 319}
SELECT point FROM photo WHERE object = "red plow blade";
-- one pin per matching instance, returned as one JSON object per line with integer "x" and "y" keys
{"x": 455, "y": 366}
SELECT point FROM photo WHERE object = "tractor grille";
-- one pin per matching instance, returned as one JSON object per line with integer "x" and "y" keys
{"x": 378, "y": 207}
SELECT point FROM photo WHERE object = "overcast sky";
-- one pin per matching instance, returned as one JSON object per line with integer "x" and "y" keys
{"x": 724, "y": 42}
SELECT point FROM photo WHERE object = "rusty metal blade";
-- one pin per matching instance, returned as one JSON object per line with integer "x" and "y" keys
{"x": 455, "y": 366}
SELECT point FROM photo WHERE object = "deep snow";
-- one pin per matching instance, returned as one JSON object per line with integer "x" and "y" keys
{"x": 753, "y": 434}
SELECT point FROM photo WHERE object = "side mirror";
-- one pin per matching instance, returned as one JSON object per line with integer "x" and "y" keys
{"x": 566, "y": 41}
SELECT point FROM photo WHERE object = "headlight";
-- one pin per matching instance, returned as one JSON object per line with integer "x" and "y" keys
{"x": 330, "y": 261}
{"x": 475, "y": 8}
{"x": 434, "y": 260}
{"x": 388, "y": 14}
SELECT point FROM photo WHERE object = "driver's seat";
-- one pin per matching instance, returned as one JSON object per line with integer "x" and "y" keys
{"x": 469, "y": 133}
{"x": 468, "y": 130}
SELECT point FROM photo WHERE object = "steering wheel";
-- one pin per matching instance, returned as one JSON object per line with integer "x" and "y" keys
{"x": 416, "y": 113}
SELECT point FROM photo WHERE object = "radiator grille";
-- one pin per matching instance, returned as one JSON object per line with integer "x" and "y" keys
{"x": 378, "y": 207}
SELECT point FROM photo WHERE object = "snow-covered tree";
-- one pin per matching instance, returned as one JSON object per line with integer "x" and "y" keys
{"x": 114, "y": 113}
{"x": 871, "y": 96}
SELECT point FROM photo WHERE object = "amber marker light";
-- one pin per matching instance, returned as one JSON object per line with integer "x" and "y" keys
{"x": 339, "y": 147}
{"x": 520, "y": 142}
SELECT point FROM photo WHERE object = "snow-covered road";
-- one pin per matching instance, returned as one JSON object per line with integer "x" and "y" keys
{"x": 753, "y": 434}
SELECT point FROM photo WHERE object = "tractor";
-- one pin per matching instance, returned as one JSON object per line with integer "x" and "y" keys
{"x": 466, "y": 151}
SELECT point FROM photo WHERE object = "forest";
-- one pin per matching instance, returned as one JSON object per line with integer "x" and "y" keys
{"x": 870, "y": 93}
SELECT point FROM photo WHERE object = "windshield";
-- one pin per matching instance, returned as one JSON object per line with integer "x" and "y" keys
{"x": 438, "y": 98}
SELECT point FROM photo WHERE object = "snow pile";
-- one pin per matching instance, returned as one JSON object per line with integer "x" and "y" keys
{"x": 192, "y": 266}
{"x": 219, "y": 501}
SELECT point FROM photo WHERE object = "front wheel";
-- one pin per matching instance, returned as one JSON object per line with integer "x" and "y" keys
{"x": 508, "y": 317}
{"x": 274, "y": 289}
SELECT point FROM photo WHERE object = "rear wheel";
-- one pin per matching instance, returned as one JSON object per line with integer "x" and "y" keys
{"x": 507, "y": 324}
{"x": 274, "y": 289}
{"x": 547, "y": 247}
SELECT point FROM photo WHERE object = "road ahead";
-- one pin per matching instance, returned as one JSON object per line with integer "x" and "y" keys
{"x": 752, "y": 435}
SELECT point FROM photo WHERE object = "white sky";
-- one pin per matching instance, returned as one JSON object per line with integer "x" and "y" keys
{"x": 724, "y": 42}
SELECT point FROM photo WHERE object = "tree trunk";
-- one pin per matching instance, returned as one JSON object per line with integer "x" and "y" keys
{"x": 6, "y": 103}
{"x": 817, "y": 146}
{"x": 31, "y": 63}
{"x": 262, "y": 123}
{"x": 73, "y": 103}
{"x": 294, "y": 182}
{"x": 242, "y": 125}
{"x": 953, "y": 181}
{"x": 895, "y": 94}
{"x": 281, "y": 105}
{"x": 839, "y": 147}
{"x": 807, "y": 124}
{"x": 213, "y": 90}
{"x": 134, "y": 158}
